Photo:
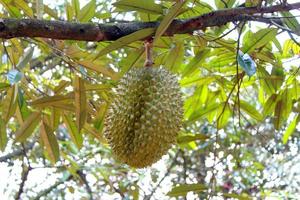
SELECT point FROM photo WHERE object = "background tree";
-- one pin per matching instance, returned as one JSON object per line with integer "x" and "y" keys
{"x": 238, "y": 66}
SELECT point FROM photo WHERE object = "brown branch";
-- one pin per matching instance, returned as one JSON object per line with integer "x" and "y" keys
{"x": 25, "y": 173}
{"x": 11, "y": 28}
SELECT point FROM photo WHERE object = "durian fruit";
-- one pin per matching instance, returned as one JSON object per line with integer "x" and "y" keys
{"x": 144, "y": 117}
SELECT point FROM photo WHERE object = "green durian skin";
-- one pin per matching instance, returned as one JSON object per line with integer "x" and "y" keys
{"x": 144, "y": 117}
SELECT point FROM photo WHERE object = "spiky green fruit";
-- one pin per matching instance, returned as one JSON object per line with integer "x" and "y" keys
{"x": 145, "y": 116}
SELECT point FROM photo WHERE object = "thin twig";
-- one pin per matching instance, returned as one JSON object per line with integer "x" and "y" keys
{"x": 86, "y": 183}
{"x": 25, "y": 173}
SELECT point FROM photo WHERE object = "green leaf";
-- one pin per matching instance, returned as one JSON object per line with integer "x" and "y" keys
{"x": 190, "y": 81}
{"x": 195, "y": 62}
{"x": 259, "y": 39}
{"x": 242, "y": 196}
{"x": 75, "y": 135}
{"x": 12, "y": 10}
{"x": 175, "y": 57}
{"x": 50, "y": 12}
{"x": 250, "y": 110}
{"x": 290, "y": 129}
{"x": 24, "y": 7}
{"x": 131, "y": 60}
{"x": 167, "y": 20}
{"x": 52, "y": 100}
{"x": 278, "y": 118}
{"x": 54, "y": 118}
{"x": 138, "y": 35}
{"x": 97, "y": 67}
{"x": 4, "y": 86}
{"x": 9, "y": 104}
{"x": 270, "y": 105}
{"x": 99, "y": 119}
{"x": 183, "y": 189}
{"x": 28, "y": 127}
{"x": 223, "y": 116}
{"x": 61, "y": 86}
{"x": 76, "y": 6}
{"x": 87, "y": 12}
{"x": 145, "y": 6}
{"x": 70, "y": 11}
{"x": 50, "y": 142}
{"x": 3, "y": 135}
{"x": 186, "y": 138}
{"x": 265, "y": 80}
{"x": 25, "y": 58}
{"x": 291, "y": 22}
{"x": 204, "y": 111}
{"x": 94, "y": 132}
{"x": 22, "y": 111}
{"x": 80, "y": 102}
{"x": 224, "y": 4}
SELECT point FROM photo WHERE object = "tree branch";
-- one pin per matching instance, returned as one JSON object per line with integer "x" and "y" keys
{"x": 11, "y": 28}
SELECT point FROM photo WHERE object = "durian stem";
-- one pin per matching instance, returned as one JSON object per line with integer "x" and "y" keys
{"x": 148, "y": 49}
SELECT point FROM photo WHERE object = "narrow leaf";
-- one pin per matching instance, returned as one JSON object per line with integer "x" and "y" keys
{"x": 290, "y": 129}
{"x": 278, "y": 118}
{"x": 223, "y": 116}
{"x": 48, "y": 101}
{"x": 186, "y": 138}
{"x": 21, "y": 4}
{"x": 70, "y": 11}
{"x": 50, "y": 142}
{"x": 183, "y": 189}
{"x": 61, "y": 86}
{"x": 94, "y": 132}
{"x": 195, "y": 62}
{"x": 28, "y": 127}
{"x": 12, "y": 10}
{"x": 130, "y": 61}
{"x": 259, "y": 39}
{"x": 75, "y": 135}
{"x": 145, "y": 6}
{"x": 25, "y": 58}
{"x": 9, "y": 104}
{"x": 76, "y": 5}
{"x": 167, "y": 20}
{"x": 175, "y": 57}
{"x": 80, "y": 102}
{"x": 54, "y": 118}
{"x": 204, "y": 111}
{"x": 291, "y": 22}
{"x": 3, "y": 135}
{"x": 270, "y": 105}
{"x": 87, "y": 12}
{"x": 138, "y": 35}
{"x": 250, "y": 110}
{"x": 95, "y": 66}
{"x": 50, "y": 12}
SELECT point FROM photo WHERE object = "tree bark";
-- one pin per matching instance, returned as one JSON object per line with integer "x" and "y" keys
{"x": 11, "y": 28}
